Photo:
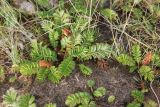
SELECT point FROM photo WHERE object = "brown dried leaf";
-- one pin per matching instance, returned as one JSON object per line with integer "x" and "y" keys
{"x": 102, "y": 64}
{"x": 45, "y": 64}
{"x": 66, "y": 32}
{"x": 147, "y": 58}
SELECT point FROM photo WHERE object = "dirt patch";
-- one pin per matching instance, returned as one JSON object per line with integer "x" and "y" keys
{"x": 114, "y": 79}
{"x": 4, "y": 60}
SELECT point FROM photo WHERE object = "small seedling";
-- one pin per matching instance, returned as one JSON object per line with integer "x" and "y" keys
{"x": 111, "y": 99}
{"x": 43, "y": 3}
{"x": 90, "y": 83}
{"x": 50, "y": 105}
{"x": 150, "y": 103}
{"x": 109, "y": 14}
{"x": 138, "y": 98}
{"x": 99, "y": 92}
{"x": 12, "y": 99}
{"x": 85, "y": 70}
{"x": 83, "y": 99}
{"x": 134, "y": 104}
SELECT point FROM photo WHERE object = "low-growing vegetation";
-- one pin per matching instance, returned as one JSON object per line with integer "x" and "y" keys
{"x": 64, "y": 42}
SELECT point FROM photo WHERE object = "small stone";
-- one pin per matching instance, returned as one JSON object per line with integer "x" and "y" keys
{"x": 27, "y": 7}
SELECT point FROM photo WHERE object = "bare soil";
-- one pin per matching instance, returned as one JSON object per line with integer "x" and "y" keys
{"x": 114, "y": 79}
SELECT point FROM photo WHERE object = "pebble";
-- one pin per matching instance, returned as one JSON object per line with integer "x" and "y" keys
{"x": 27, "y": 7}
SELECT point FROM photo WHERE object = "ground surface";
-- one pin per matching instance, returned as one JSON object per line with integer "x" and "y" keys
{"x": 114, "y": 78}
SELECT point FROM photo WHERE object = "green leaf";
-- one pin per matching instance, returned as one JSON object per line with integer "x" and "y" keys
{"x": 90, "y": 83}
{"x": 138, "y": 13}
{"x": 40, "y": 52}
{"x": 111, "y": 99}
{"x": 133, "y": 68}
{"x": 147, "y": 73}
{"x": 47, "y": 25}
{"x": 27, "y": 101}
{"x": 134, "y": 104}
{"x": 78, "y": 51}
{"x": 156, "y": 60}
{"x": 138, "y": 96}
{"x": 78, "y": 98}
{"x": 88, "y": 36}
{"x": 109, "y": 13}
{"x": 66, "y": 66}
{"x": 99, "y": 51}
{"x": 76, "y": 39}
{"x": 150, "y": 103}
{"x": 61, "y": 17}
{"x": 85, "y": 70}
{"x": 45, "y": 14}
{"x": 10, "y": 98}
{"x": 136, "y": 52}
{"x": 126, "y": 60}
{"x": 80, "y": 7}
{"x": 50, "y": 105}
{"x": 42, "y": 74}
{"x": 80, "y": 24}
{"x": 99, "y": 92}
{"x": 53, "y": 38}
{"x": 55, "y": 75}
{"x": 29, "y": 68}
{"x": 66, "y": 41}
{"x": 92, "y": 104}
{"x": 44, "y": 3}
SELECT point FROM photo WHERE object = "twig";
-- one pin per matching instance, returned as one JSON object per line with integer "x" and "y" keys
{"x": 127, "y": 20}
{"x": 155, "y": 94}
